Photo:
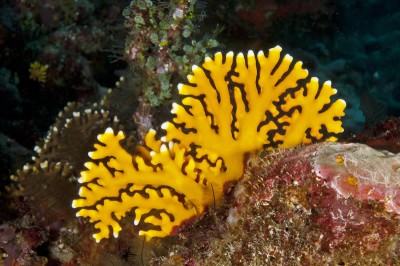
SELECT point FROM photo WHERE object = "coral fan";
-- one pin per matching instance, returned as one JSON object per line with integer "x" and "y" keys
{"x": 232, "y": 106}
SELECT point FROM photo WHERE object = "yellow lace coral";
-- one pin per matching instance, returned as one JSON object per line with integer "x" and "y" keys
{"x": 232, "y": 106}
{"x": 138, "y": 183}
{"x": 38, "y": 72}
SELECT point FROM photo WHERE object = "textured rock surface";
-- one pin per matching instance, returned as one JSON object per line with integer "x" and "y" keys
{"x": 327, "y": 203}
{"x": 356, "y": 170}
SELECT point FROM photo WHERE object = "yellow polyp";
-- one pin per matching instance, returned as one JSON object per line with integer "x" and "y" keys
{"x": 38, "y": 72}
{"x": 340, "y": 160}
{"x": 230, "y": 108}
{"x": 352, "y": 180}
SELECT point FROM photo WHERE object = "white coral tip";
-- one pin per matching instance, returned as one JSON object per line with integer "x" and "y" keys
{"x": 288, "y": 57}
{"x": 163, "y": 148}
{"x": 165, "y": 125}
{"x": 175, "y": 107}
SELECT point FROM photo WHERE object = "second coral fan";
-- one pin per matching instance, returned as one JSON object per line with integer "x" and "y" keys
{"x": 232, "y": 106}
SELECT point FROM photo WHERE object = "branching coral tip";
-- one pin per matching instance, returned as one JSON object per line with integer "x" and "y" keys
{"x": 230, "y": 107}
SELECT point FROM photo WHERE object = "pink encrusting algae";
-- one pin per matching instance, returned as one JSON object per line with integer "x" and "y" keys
{"x": 361, "y": 172}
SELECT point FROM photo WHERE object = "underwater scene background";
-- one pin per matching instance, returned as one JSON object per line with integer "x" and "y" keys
{"x": 70, "y": 69}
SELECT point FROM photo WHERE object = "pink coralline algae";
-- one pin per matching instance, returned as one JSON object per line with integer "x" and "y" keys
{"x": 356, "y": 170}
{"x": 321, "y": 204}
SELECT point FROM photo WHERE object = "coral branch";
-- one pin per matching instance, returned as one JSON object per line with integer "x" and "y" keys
{"x": 231, "y": 106}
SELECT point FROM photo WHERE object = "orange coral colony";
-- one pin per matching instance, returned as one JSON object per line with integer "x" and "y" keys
{"x": 231, "y": 106}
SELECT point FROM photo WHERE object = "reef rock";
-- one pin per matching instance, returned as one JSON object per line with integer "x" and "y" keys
{"x": 328, "y": 203}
